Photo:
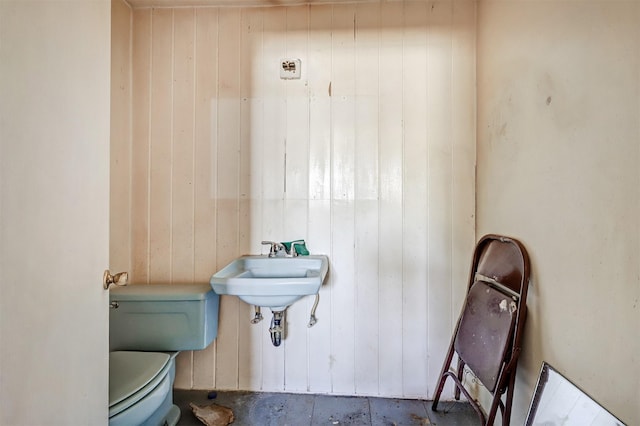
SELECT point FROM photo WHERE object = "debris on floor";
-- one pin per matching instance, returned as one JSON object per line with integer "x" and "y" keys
{"x": 213, "y": 415}
{"x": 424, "y": 421}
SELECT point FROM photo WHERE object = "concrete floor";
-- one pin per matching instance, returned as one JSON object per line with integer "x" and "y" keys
{"x": 280, "y": 409}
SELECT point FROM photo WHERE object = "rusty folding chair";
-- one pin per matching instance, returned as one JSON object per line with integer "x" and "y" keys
{"x": 487, "y": 338}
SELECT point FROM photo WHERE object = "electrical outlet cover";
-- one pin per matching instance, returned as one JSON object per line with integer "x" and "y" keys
{"x": 290, "y": 69}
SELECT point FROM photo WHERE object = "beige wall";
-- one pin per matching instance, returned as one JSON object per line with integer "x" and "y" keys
{"x": 558, "y": 151}
{"x": 378, "y": 137}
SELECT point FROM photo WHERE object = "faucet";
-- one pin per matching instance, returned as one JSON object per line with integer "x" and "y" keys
{"x": 293, "y": 252}
{"x": 280, "y": 250}
{"x": 277, "y": 249}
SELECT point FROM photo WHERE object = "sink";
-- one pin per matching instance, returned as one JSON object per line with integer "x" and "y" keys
{"x": 271, "y": 282}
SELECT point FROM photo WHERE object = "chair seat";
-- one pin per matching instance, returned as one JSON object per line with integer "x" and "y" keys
{"x": 133, "y": 375}
{"x": 486, "y": 327}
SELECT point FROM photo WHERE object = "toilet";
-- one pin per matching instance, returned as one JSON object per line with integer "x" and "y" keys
{"x": 148, "y": 325}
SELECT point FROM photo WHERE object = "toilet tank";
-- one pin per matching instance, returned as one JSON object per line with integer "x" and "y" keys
{"x": 162, "y": 317}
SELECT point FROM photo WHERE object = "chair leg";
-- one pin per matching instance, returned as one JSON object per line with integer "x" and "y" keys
{"x": 436, "y": 396}
{"x": 493, "y": 411}
{"x": 505, "y": 408}
{"x": 506, "y": 414}
{"x": 443, "y": 378}
{"x": 460, "y": 371}
{"x": 510, "y": 370}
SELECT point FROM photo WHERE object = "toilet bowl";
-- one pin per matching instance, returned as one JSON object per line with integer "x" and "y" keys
{"x": 149, "y": 325}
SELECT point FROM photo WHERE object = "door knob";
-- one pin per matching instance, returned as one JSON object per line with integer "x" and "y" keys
{"x": 118, "y": 279}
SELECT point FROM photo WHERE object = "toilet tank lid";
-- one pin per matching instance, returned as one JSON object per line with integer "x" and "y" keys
{"x": 159, "y": 292}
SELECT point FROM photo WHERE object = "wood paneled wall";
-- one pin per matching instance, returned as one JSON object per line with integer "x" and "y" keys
{"x": 369, "y": 157}
{"x": 120, "y": 136}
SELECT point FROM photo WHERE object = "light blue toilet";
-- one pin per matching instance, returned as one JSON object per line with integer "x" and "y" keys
{"x": 148, "y": 325}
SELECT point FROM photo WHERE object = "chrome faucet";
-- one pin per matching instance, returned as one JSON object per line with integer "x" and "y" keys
{"x": 280, "y": 250}
{"x": 277, "y": 249}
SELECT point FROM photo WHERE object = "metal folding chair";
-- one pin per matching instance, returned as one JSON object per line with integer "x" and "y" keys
{"x": 487, "y": 338}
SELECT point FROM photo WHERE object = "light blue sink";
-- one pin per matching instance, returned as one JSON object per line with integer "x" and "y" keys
{"x": 271, "y": 282}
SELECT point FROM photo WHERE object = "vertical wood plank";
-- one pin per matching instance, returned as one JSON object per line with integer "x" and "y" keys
{"x": 343, "y": 102}
{"x": 256, "y": 92}
{"x": 463, "y": 153}
{"x": 297, "y": 104}
{"x": 249, "y": 335}
{"x": 182, "y": 192}
{"x": 182, "y": 151}
{"x": 274, "y": 42}
{"x": 343, "y": 195}
{"x": 318, "y": 74}
{"x": 120, "y": 214}
{"x": 205, "y": 171}
{"x": 273, "y": 183}
{"x": 415, "y": 202}
{"x": 228, "y": 148}
{"x": 160, "y": 145}
{"x": 245, "y": 67}
{"x": 140, "y": 144}
{"x": 319, "y": 231}
{"x": 297, "y": 190}
{"x": 367, "y": 57}
{"x": 391, "y": 196}
{"x": 439, "y": 189}
{"x": 319, "y": 338}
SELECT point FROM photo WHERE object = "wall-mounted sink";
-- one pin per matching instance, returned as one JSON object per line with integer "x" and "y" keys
{"x": 271, "y": 282}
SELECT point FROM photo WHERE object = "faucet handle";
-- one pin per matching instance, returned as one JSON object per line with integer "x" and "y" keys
{"x": 275, "y": 247}
{"x": 297, "y": 248}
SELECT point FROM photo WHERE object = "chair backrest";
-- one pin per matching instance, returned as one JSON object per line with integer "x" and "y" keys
{"x": 490, "y": 326}
{"x": 502, "y": 260}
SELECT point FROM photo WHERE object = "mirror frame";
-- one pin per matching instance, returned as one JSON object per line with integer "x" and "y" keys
{"x": 543, "y": 378}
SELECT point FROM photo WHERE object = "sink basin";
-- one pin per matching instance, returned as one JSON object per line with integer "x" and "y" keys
{"x": 271, "y": 282}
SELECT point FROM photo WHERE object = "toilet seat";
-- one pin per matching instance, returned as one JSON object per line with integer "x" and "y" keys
{"x": 138, "y": 385}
